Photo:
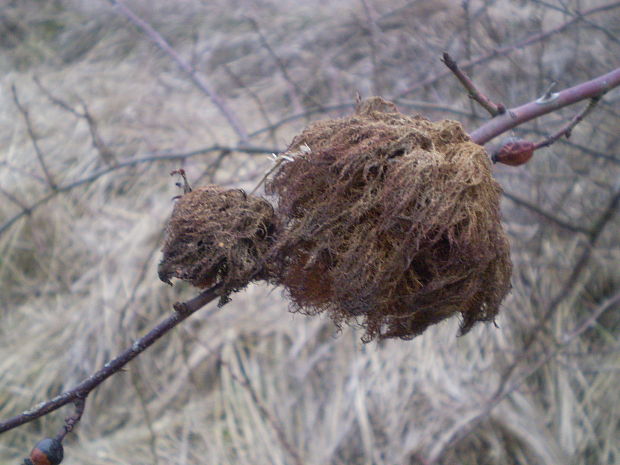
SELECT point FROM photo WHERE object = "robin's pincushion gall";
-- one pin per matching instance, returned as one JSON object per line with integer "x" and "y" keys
{"x": 514, "y": 152}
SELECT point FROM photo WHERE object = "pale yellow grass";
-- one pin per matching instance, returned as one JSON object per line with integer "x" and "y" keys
{"x": 78, "y": 277}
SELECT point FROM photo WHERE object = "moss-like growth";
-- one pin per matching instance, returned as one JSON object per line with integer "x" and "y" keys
{"x": 384, "y": 219}
{"x": 391, "y": 219}
{"x": 217, "y": 235}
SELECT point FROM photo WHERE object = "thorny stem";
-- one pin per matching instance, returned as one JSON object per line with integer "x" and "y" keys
{"x": 80, "y": 392}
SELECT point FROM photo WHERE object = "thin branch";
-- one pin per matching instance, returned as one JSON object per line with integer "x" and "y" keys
{"x": 15, "y": 200}
{"x": 548, "y": 103}
{"x": 582, "y": 148}
{"x": 566, "y": 130}
{"x": 23, "y": 172}
{"x": 72, "y": 420}
{"x": 539, "y": 211}
{"x": 281, "y": 65}
{"x": 199, "y": 81}
{"x": 590, "y": 320}
{"x": 484, "y": 101}
{"x": 106, "y": 154}
{"x": 457, "y": 33}
{"x": 505, "y": 388}
{"x": 33, "y": 138}
{"x": 373, "y": 33}
{"x": 126, "y": 164}
{"x": 55, "y": 100}
{"x": 569, "y": 12}
{"x": 254, "y": 96}
{"x": 510, "y": 48}
{"x": 83, "y": 389}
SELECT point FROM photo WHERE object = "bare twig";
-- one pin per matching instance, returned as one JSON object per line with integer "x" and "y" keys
{"x": 55, "y": 100}
{"x": 505, "y": 387}
{"x": 582, "y": 148}
{"x": 566, "y": 130}
{"x": 548, "y": 103}
{"x": 511, "y": 48}
{"x": 15, "y": 200}
{"x": 486, "y": 103}
{"x": 539, "y": 211}
{"x": 281, "y": 65}
{"x": 33, "y": 138}
{"x": 199, "y": 81}
{"x": 254, "y": 96}
{"x": 106, "y": 154}
{"x": 72, "y": 420}
{"x": 569, "y": 12}
{"x": 82, "y": 390}
{"x": 23, "y": 172}
{"x": 126, "y": 164}
{"x": 373, "y": 36}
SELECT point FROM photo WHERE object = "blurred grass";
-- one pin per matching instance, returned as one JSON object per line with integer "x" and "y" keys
{"x": 78, "y": 280}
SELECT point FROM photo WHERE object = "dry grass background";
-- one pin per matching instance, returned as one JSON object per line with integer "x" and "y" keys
{"x": 78, "y": 277}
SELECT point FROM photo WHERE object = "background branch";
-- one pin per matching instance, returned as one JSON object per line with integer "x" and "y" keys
{"x": 156, "y": 157}
{"x": 199, "y": 81}
{"x": 33, "y": 138}
{"x": 77, "y": 280}
{"x": 501, "y": 51}
{"x": 79, "y": 393}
